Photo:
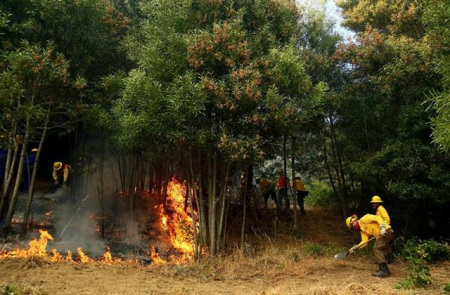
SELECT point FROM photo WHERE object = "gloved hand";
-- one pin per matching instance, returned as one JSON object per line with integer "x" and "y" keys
{"x": 352, "y": 249}
{"x": 383, "y": 230}
{"x": 56, "y": 182}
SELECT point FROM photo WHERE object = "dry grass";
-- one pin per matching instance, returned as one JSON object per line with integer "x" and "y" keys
{"x": 285, "y": 258}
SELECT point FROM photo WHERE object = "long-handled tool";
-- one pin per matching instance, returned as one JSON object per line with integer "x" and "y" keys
{"x": 83, "y": 202}
{"x": 343, "y": 255}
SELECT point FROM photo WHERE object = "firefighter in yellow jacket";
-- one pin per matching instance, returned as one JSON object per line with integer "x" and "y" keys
{"x": 379, "y": 209}
{"x": 61, "y": 172}
{"x": 373, "y": 225}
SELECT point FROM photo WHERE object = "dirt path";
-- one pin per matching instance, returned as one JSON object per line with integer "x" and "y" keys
{"x": 306, "y": 275}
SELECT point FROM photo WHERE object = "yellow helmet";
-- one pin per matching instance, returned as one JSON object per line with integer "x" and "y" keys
{"x": 350, "y": 219}
{"x": 34, "y": 150}
{"x": 57, "y": 165}
{"x": 376, "y": 199}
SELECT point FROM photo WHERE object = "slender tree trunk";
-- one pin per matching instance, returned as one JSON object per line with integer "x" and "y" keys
{"x": 341, "y": 170}
{"x": 294, "y": 189}
{"x": 212, "y": 205}
{"x": 14, "y": 197}
{"x": 327, "y": 166}
{"x": 194, "y": 226}
{"x": 222, "y": 208}
{"x": 244, "y": 215}
{"x": 9, "y": 170}
{"x": 35, "y": 169}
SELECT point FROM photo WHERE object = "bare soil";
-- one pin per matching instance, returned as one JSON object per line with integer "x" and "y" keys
{"x": 285, "y": 268}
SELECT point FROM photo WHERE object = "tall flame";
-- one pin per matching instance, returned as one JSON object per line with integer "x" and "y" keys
{"x": 176, "y": 220}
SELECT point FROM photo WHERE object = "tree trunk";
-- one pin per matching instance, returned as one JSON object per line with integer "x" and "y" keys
{"x": 35, "y": 169}
{"x": 294, "y": 190}
{"x": 9, "y": 169}
{"x": 14, "y": 197}
{"x": 222, "y": 208}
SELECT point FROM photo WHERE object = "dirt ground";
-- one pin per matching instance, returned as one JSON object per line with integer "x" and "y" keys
{"x": 304, "y": 274}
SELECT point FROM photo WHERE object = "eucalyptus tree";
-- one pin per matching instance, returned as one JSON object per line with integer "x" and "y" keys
{"x": 216, "y": 83}
{"x": 391, "y": 76}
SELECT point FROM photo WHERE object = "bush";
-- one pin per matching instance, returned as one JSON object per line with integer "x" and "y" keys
{"x": 9, "y": 290}
{"x": 447, "y": 288}
{"x": 419, "y": 253}
{"x": 320, "y": 195}
{"x": 429, "y": 250}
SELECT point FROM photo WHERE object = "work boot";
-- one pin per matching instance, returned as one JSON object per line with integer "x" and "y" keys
{"x": 382, "y": 272}
{"x": 389, "y": 258}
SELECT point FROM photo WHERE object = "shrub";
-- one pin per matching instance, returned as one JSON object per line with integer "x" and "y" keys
{"x": 10, "y": 290}
{"x": 419, "y": 253}
{"x": 429, "y": 250}
{"x": 320, "y": 195}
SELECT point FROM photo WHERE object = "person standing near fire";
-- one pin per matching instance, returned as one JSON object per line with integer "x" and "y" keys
{"x": 267, "y": 190}
{"x": 61, "y": 172}
{"x": 282, "y": 188}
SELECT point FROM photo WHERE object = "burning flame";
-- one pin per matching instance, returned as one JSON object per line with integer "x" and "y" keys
{"x": 38, "y": 248}
{"x": 176, "y": 220}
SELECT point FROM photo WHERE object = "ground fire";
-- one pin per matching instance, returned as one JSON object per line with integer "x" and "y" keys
{"x": 175, "y": 219}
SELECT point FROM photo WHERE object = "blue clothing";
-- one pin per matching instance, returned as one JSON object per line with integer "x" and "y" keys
{"x": 27, "y": 171}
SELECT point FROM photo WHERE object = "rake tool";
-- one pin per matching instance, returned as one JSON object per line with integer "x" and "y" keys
{"x": 343, "y": 255}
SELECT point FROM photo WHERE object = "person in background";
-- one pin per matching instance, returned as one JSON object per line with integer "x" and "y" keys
{"x": 61, "y": 172}
{"x": 282, "y": 188}
{"x": 372, "y": 225}
{"x": 301, "y": 194}
{"x": 28, "y": 169}
{"x": 382, "y": 212}
{"x": 267, "y": 190}
{"x": 379, "y": 209}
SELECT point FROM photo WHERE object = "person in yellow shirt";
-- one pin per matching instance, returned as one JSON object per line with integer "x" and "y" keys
{"x": 61, "y": 172}
{"x": 373, "y": 225}
{"x": 267, "y": 189}
{"x": 301, "y": 194}
{"x": 379, "y": 209}
{"x": 382, "y": 212}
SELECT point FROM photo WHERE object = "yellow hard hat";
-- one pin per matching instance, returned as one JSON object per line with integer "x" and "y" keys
{"x": 350, "y": 219}
{"x": 376, "y": 199}
{"x": 57, "y": 165}
{"x": 34, "y": 150}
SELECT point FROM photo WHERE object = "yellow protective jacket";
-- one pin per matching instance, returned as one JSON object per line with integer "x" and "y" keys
{"x": 63, "y": 172}
{"x": 299, "y": 186}
{"x": 370, "y": 226}
{"x": 381, "y": 211}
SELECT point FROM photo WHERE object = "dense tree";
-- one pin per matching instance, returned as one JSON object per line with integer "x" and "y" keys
{"x": 217, "y": 83}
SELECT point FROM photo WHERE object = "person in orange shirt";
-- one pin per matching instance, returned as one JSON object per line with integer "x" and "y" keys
{"x": 372, "y": 225}
{"x": 282, "y": 188}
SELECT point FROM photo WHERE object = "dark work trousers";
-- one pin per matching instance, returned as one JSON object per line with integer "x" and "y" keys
{"x": 383, "y": 246}
{"x": 301, "y": 201}
{"x": 283, "y": 193}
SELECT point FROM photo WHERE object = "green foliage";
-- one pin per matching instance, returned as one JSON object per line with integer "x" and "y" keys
{"x": 320, "y": 195}
{"x": 428, "y": 250}
{"x": 447, "y": 287}
{"x": 419, "y": 253}
{"x": 10, "y": 289}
